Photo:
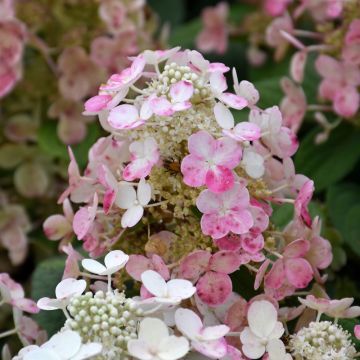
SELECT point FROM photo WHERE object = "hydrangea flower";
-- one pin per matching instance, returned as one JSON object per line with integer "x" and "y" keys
{"x": 171, "y": 292}
{"x": 291, "y": 267}
{"x": 64, "y": 291}
{"x": 225, "y": 212}
{"x": 210, "y": 162}
{"x": 209, "y": 340}
{"x": 210, "y": 272}
{"x": 262, "y": 330}
{"x": 65, "y": 345}
{"x": 154, "y": 342}
{"x": 12, "y": 293}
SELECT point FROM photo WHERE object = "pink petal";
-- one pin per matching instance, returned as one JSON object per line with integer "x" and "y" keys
{"x": 56, "y": 227}
{"x": 297, "y": 248}
{"x": 261, "y": 273}
{"x": 160, "y": 266}
{"x": 252, "y": 243}
{"x": 239, "y": 222}
{"x": 194, "y": 171}
{"x": 214, "y": 288}
{"x": 212, "y": 349}
{"x": 244, "y": 131}
{"x": 181, "y": 106}
{"x": 227, "y": 153}
{"x": 297, "y": 66}
{"x": 202, "y": 145}
{"x": 84, "y": 219}
{"x": 136, "y": 265}
{"x": 194, "y": 265}
{"x": 208, "y": 202}
{"x": 137, "y": 169}
{"x": 223, "y": 116}
{"x": 213, "y": 225}
{"x": 219, "y": 179}
{"x": 97, "y": 103}
{"x": 328, "y": 67}
{"x": 276, "y": 276}
{"x": 218, "y": 67}
{"x": 234, "y": 101}
{"x": 225, "y": 262}
{"x": 27, "y": 305}
{"x": 123, "y": 116}
{"x": 347, "y": 101}
{"x": 231, "y": 242}
{"x": 181, "y": 91}
{"x": 218, "y": 82}
{"x": 161, "y": 106}
{"x": 357, "y": 331}
{"x": 298, "y": 272}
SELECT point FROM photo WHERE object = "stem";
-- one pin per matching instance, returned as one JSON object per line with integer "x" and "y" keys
{"x": 318, "y": 316}
{"x": 90, "y": 276}
{"x": 273, "y": 252}
{"x": 66, "y": 313}
{"x": 8, "y": 333}
{"x": 251, "y": 268}
{"x": 157, "y": 204}
{"x": 317, "y": 107}
{"x": 283, "y": 186}
{"x": 156, "y": 65}
{"x": 288, "y": 201}
{"x": 109, "y": 282}
{"x": 307, "y": 34}
{"x": 136, "y": 89}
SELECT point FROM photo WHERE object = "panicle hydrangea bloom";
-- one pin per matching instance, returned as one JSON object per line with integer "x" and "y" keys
{"x": 187, "y": 192}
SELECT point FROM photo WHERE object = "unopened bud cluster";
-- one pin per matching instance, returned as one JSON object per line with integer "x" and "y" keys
{"x": 322, "y": 340}
{"x": 108, "y": 318}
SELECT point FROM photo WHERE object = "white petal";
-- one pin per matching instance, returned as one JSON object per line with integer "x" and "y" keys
{"x": 93, "y": 266}
{"x": 276, "y": 350}
{"x": 218, "y": 82}
{"x": 115, "y": 260}
{"x": 262, "y": 318}
{"x": 139, "y": 350}
{"x": 181, "y": 91}
{"x": 144, "y": 192}
{"x": 46, "y": 303}
{"x": 41, "y": 354}
{"x": 180, "y": 288}
{"x": 252, "y": 346}
{"x": 154, "y": 283}
{"x": 66, "y": 344}
{"x": 214, "y": 332}
{"x": 188, "y": 323}
{"x": 88, "y": 350}
{"x": 173, "y": 348}
{"x": 69, "y": 287}
{"x": 132, "y": 216}
{"x": 223, "y": 116}
{"x": 153, "y": 331}
{"x": 126, "y": 196}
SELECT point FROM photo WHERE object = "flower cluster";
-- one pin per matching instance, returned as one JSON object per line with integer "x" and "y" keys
{"x": 188, "y": 192}
{"x": 333, "y": 39}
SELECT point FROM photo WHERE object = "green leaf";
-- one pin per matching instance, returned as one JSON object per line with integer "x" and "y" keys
{"x": 340, "y": 199}
{"x": 331, "y": 161}
{"x": 49, "y": 141}
{"x": 352, "y": 234}
{"x": 282, "y": 215}
{"x": 270, "y": 91}
{"x": 45, "y": 278}
{"x": 51, "y": 144}
{"x": 344, "y": 211}
{"x": 172, "y": 12}
{"x": 185, "y": 34}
